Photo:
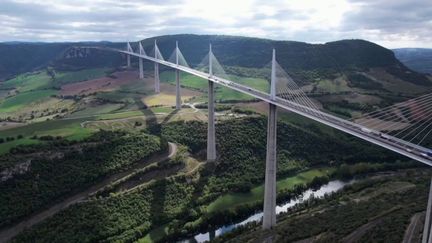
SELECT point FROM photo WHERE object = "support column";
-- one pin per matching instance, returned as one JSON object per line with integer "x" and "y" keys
{"x": 211, "y": 137}
{"x": 129, "y": 49}
{"x": 177, "y": 75}
{"x": 269, "y": 217}
{"x": 156, "y": 71}
{"x": 141, "y": 70}
{"x": 427, "y": 231}
{"x": 156, "y": 77}
{"x": 211, "y": 132}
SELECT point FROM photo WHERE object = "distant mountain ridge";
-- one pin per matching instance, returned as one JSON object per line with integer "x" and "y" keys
{"x": 418, "y": 59}
{"x": 20, "y": 57}
{"x": 297, "y": 57}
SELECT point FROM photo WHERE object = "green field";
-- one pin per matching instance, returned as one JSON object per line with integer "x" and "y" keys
{"x": 68, "y": 128}
{"x": 232, "y": 200}
{"x": 118, "y": 96}
{"x": 28, "y": 81}
{"x": 6, "y": 146}
{"x": 20, "y": 100}
{"x": 162, "y": 109}
{"x": 186, "y": 80}
{"x": 96, "y": 110}
{"x": 119, "y": 115}
{"x": 78, "y": 76}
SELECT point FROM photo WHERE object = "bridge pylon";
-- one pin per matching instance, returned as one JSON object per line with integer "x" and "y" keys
{"x": 156, "y": 70}
{"x": 269, "y": 217}
{"x": 211, "y": 132}
{"x": 177, "y": 76}
{"x": 129, "y": 48}
{"x": 140, "y": 61}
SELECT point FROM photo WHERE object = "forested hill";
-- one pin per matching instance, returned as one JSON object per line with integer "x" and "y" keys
{"x": 20, "y": 57}
{"x": 329, "y": 59}
{"x": 255, "y": 52}
{"x": 332, "y": 57}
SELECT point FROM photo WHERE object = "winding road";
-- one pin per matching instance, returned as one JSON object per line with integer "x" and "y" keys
{"x": 8, "y": 233}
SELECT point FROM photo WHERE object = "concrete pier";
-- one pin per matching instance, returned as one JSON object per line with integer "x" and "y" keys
{"x": 427, "y": 231}
{"x": 128, "y": 60}
{"x": 156, "y": 71}
{"x": 141, "y": 70}
{"x": 177, "y": 76}
{"x": 269, "y": 211}
{"x": 156, "y": 77}
{"x": 211, "y": 136}
{"x": 269, "y": 218}
{"x": 211, "y": 132}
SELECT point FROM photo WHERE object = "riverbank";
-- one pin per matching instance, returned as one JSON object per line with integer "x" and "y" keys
{"x": 377, "y": 208}
{"x": 234, "y": 202}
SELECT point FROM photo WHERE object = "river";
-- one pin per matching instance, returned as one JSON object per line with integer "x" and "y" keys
{"x": 328, "y": 188}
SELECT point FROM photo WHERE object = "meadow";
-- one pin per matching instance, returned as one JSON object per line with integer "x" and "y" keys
{"x": 21, "y": 100}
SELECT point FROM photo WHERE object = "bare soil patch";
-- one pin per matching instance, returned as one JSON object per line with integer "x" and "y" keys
{"x": 100, "y": 84}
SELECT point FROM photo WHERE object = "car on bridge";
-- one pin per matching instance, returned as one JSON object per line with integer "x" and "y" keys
{"x": 427, "y": 154}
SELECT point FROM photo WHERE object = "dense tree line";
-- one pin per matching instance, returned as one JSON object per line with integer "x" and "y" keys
{"x": 120, "y": 218}
{"x": 53, "y": 177}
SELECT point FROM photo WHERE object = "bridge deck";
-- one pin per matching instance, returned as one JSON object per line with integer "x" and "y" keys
{"x": 405, "y": 148}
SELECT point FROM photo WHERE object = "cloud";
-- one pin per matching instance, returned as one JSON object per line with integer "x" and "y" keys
{"x": 392, "y": 23}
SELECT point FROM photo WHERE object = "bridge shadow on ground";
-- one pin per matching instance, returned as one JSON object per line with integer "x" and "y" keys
{"x": 151, "y": 120}
{"x": 168, "y": 117}
{"x": 150, "y": 117}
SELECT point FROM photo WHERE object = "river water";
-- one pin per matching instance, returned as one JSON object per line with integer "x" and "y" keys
{"x": 328, "y": 188}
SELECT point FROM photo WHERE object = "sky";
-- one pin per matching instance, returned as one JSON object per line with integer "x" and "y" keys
{"x": 390, "y": 23}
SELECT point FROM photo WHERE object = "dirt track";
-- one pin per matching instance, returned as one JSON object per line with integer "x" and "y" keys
{"x": 9, "y": 233}
{"x": 413, "y": 228}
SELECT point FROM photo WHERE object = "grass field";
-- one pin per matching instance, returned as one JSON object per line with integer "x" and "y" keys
{"x": 164, "y": 99}
{"x": 232, "y": 200}
{"x": 78, "y": 76}
{"x": 186, "y": 80}
{"x": 68, "y": 128}
{"x": 116, "y": 124}
{"x": 24, "y": 99}
{"x": 5, "y": 147}
{"x": 162, "y": 109}
{"x": 28, "y": 81}
{"x": 96, "y": 110}
{"x": 119, "y": 115}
